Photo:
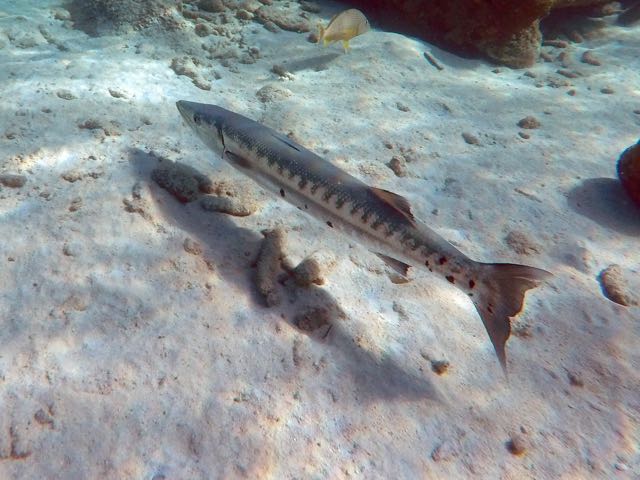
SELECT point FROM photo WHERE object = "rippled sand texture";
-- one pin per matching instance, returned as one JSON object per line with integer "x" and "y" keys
{"x": 135, "y": 342}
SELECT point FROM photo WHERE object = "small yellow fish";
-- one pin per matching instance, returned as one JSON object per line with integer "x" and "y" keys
{"x": 344, "y": 26}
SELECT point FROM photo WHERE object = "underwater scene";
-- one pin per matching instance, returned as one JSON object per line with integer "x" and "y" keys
{"x": 295, "y": 239}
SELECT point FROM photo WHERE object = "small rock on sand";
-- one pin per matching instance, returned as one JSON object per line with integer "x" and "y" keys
{"x": 617, "y": 286}
{"x": 312, "y": 319}
{"x": 191, "y": 246}
{"x": 529, "y": 122}
{"x": 308, "y": 272}
{"x": 183, "y": 182}
{"x": 272, "y": 93}
{"x": 12, "y": 180}
{"x": 65, "y": 95}
{"x": 521, "y": 243}
{"x": 440, "y": 367}
{"x": 589, "y": 58}
{"x": 268, "y": 265}
{"x": 517, "y": 444}
{"x": 470, "y": 138}
{"x": 398, "y": 165}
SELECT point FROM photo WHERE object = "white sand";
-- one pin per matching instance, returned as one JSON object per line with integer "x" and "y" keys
{"x": 124, "y": 356}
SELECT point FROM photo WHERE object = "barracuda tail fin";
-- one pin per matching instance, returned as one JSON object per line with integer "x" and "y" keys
{"x": 500, "y": 295}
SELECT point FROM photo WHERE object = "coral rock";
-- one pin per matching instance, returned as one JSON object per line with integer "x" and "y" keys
{"x": 629, "y": 172}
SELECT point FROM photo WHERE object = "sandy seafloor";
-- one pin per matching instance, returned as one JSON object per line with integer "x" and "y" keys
{"x": 124, "y": 356}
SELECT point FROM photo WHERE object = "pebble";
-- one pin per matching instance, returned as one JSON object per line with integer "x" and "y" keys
{"x": 555, "y": 43}
{"x": 529, "y": 122}
{"x": 308, "y": 272}
{"x": 517, "y": 444}
{"x": 520, "y": 243}
{"x": 568, "y": 73}
{"x": 402, "y": 107}
{"x": 65, "y": 95}
{"x": 398, "y": 165}
{"x": 191, "y": 246}
{"x": 574, "y": 379}
{"x": 12, "y": 180}
{"x": 75, "y": 205}
{"x": 607, "y": 90}
{"x": 312, "y": 319}
{"x": 71, "y": 176}
{"x": 524, "y": 135}
{"x": 440, "y": 367}
{"x": 213, "y": 6}
{"x": 71, "y": 249}
{"x": 272, "y": 93}
{"x": 589, "y": 58}
{"x": 470, "y": 138}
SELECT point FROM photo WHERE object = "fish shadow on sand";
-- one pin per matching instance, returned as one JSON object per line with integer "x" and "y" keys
{"x": 604, "y": 201}
{"x": 316, "y": 63}
{"x": 226, "y": 242}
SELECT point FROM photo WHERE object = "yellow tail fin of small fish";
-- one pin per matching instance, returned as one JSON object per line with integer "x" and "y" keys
{"x": 501, "y": 296}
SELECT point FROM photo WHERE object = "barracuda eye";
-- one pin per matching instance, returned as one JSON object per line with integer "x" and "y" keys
{"x": 197, "y": 119}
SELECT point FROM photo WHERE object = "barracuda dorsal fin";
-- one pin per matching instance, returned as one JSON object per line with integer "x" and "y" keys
{"x": 286, "y": 141}
{"x": 398, "y": 202}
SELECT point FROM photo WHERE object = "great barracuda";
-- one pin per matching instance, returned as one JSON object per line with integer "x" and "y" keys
{"x": 379, "y": 219}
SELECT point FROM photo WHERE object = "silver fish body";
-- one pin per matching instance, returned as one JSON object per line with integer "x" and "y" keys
{"x": 379, "y": 219}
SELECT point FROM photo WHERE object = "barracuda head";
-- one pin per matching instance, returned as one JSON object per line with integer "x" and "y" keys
{"x": 206, "y": 121}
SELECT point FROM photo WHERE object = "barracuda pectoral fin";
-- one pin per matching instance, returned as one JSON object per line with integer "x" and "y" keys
{"x": 237, "y": 160}
{"x": 398, "y": 202}
{"x": 400, "y": 267}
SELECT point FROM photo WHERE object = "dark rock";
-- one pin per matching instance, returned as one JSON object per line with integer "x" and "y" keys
{"x": 529, "y": 123}
{"x": 96, "y": 17}
{"x": 12, "y": 180}
{"x": 506, "y": 31}
{"x": 629, "y": 172}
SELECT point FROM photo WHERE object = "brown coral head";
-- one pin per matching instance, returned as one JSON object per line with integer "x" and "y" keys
{"x": 629, "y": 172}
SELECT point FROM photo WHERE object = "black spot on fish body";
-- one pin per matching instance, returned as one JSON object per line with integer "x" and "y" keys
{"x": 306, "y": 207}
{"x": 330, "y": 224}
{"x": 282, "y": 192}
{"x": 442, "y": 260}
{"x": 472, "y": 283}
{"x": 490, "y": 308}
{"x": 450, "y": 279}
